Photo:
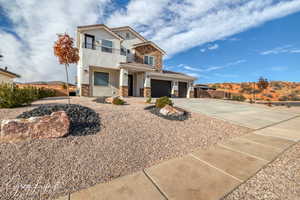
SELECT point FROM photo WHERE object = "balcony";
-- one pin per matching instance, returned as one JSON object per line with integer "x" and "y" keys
{"x": 97, "y": 55}
{"x": 104, "y": 49}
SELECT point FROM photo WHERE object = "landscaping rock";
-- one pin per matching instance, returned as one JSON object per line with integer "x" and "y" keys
{"x": 109, "y": 100}
{"x": 48, "y": 126}
{"x": 83, "y": 120}
{"x": 171, "y": 111}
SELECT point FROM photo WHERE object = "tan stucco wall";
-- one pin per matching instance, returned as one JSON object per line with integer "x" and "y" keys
{"x": 113, "y": 87}
{"x": 5, "y": 79}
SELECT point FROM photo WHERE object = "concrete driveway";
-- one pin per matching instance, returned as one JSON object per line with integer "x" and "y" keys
{"x": 244, "y": 114}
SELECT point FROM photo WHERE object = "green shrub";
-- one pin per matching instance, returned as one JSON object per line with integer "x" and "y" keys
{"x": 118, "y": 101}
{"x": 238, "y": 98}
{"x": 12, "y": 96}
{"x": 283, "y": 98}
{"x": 149, "y": 99}
{"x": 163, "y": 101}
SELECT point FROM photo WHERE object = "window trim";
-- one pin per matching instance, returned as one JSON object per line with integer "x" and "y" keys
{"x": 93, "y": 41}
{"x": 108, "y": 82}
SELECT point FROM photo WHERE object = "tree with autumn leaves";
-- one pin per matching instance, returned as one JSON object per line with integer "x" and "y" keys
{"x": 67, "y": 54}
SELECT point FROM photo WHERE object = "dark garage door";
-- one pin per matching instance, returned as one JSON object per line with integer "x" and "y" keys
{"x": 160, "y": 88}
{"x": 182, "y": 89}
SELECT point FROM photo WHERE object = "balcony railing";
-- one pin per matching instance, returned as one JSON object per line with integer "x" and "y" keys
{"x": 103, "y": 48}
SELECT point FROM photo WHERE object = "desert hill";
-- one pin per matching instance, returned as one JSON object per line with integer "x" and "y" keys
{"x": 276, "y": 91}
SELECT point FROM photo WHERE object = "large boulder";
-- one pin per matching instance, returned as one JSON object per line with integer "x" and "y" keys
{"x": 49, "y": 126}
{"x": 171, "y": 111}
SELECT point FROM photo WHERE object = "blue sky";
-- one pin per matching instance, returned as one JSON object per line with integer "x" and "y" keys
{"x": 216, "y": 40}
{"x": 271, "y": 50}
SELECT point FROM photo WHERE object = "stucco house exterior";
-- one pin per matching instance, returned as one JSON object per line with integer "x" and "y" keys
{"x": 7, "y": 76}
{"x": 119, "y": 61}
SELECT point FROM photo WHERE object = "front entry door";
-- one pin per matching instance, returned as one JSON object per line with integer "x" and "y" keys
{"x": 130, "y": 85}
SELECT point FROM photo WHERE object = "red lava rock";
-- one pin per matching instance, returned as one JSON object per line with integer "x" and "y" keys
{"x": 48, "y": 126}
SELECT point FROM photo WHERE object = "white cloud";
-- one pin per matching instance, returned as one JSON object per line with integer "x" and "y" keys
{"x": 213, "y": 47}
{"x": 36, "y": 24}
{"x": 280, "y": 50}
{"x": 210, "y": 68}
{"x": 174, "y": 25}
{"x": 180, "y": 25}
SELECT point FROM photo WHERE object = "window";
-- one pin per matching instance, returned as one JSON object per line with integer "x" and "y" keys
{"x": 101, "y": 78}
{"x": 149, "y": 60}
{"x": 89, "y": 41}
{"x": 107, "y": 46}
{"x": 127, "y": 35}
{"x": 123, "y": 51}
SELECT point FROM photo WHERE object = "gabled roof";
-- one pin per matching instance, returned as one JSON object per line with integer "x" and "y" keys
{"x": 128, "y": 28}
{"x": 149, "y": 43}
{"x": 97, "y": 26}
{"x": 8, "y": 73}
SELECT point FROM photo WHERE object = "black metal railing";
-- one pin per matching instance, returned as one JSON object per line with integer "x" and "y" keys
{"x": 102, "y": 48}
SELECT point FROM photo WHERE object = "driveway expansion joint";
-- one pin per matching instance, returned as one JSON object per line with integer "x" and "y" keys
{"x": 155, "y": 185}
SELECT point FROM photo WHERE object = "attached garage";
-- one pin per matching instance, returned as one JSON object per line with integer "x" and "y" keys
{"x": 182, "y": 89}
{"x": 160, "y": 88}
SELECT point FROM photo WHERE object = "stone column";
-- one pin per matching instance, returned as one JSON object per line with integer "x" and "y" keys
{"x": 123, "y": 89}
{"x": 147, "y": 85}
{"x": 85, "y": 90}
{"x": 190, "y": 92}
{"x": 174, "y": 91}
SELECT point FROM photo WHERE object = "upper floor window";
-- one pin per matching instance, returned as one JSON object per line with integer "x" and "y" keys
{"x": 89, "y": 41}
{"x": 150, "y": 60}
{"x": 127, "y": 35}
{"x": 107, "y": 46}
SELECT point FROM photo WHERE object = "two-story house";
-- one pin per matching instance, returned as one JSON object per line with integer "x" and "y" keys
{"x": 119, "y": 61}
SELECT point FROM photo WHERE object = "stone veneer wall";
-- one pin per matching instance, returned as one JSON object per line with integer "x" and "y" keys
{"x": 176, "y": 93}
{"x": 149, "y": 50}
{"x": 85, "y": 90}
{"x": 147, "y": 92}
{"x": 123, "y": 91}
{"x": 191, "y": 94}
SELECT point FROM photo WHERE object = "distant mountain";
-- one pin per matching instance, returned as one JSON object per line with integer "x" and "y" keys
{"x": 277, "y": 90}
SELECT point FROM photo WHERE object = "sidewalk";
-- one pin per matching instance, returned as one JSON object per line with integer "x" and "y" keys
{"x": 201, "y": 175}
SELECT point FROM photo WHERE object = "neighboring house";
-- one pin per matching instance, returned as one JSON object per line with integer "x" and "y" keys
{"x": 119, "y": 61}
{"x": 7, "y": 76}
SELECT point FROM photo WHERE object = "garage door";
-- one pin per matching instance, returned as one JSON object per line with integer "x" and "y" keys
{"x": 160, "y": 88}
{"x": 182, "y": 89}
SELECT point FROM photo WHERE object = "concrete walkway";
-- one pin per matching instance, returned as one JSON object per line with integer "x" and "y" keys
{"x": 244, "y": 114}
{"x": 201, "y": 175}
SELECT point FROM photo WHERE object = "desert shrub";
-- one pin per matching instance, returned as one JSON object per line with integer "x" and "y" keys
{"x": 12, "y": 96}
{"x": 238, "y": 98}
{"x": 268, "y": 95}
{"x": 163, "y": 101}
{"x": 283, "y": 98}
{"x": 149, "y": 99}
{"x": 118, "y": 101}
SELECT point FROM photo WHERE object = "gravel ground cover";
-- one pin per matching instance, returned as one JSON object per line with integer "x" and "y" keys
{"x": 277, "y": 181}
{"x": 130, "y": 139}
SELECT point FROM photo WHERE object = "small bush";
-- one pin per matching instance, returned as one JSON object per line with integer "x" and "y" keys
{"x": 12, "y": 96}
{"x": 283, "y": 98}
{"x": 163, "y": 101}
{"x": 118, "y": 101}
{"x": 238, "y": 98}
{"x": 149, "y": 99}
